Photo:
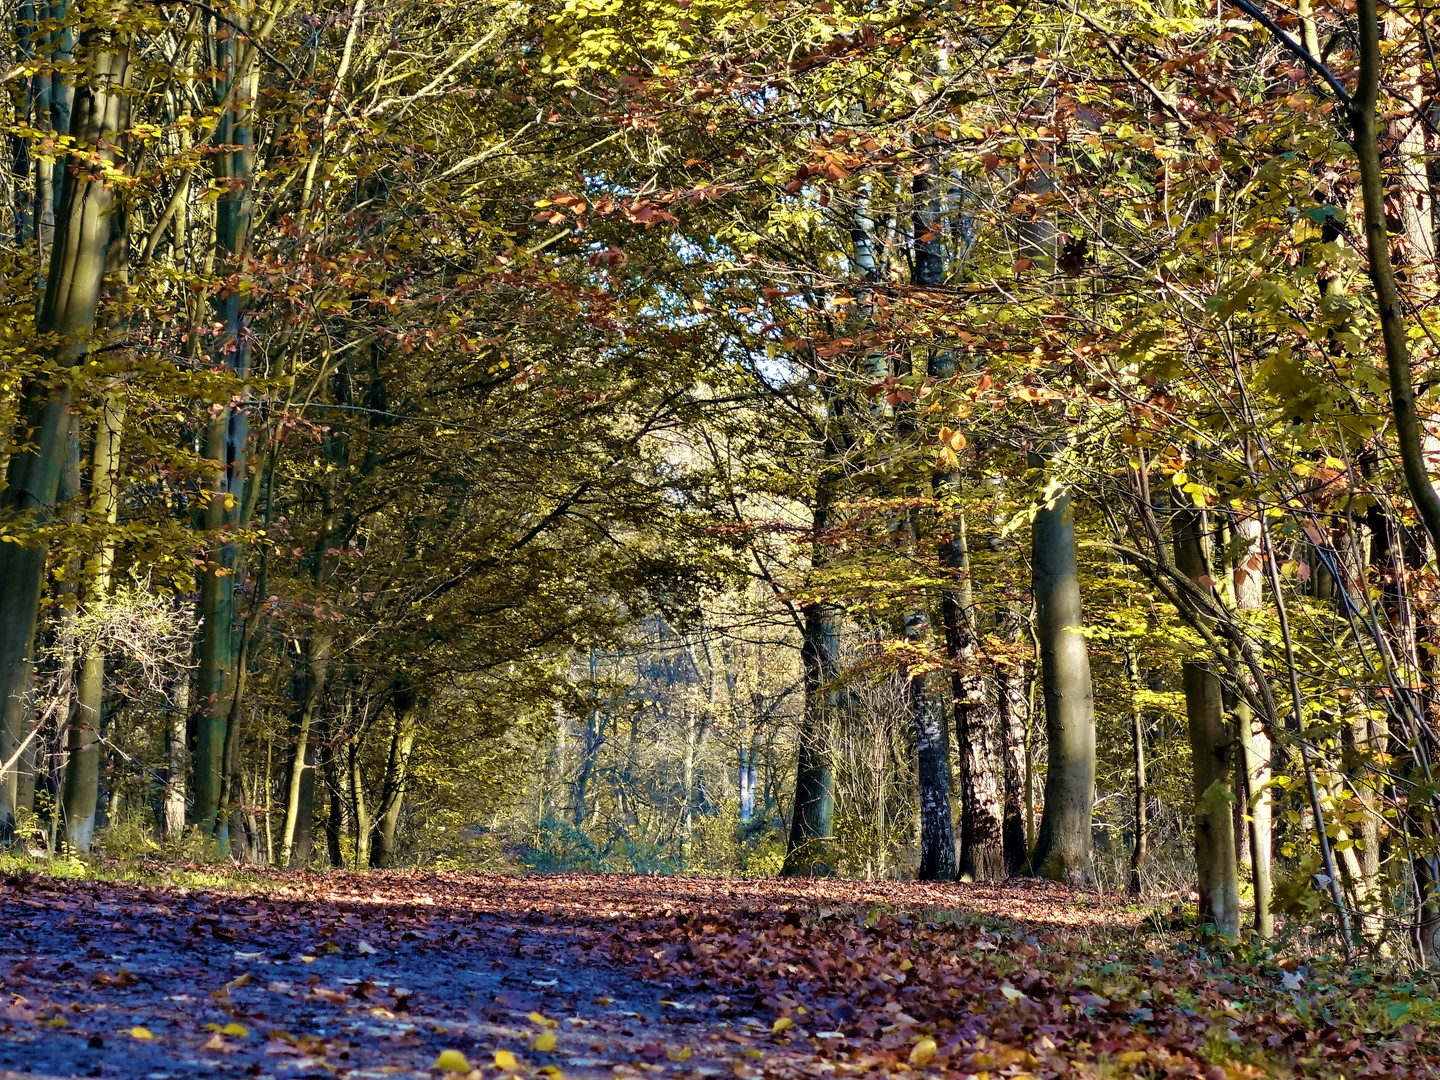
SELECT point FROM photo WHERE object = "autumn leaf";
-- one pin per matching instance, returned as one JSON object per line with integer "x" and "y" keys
{"x": 505, "y": 1061}
{"x": 452, "y": 1061}
{"x": 923, "y": 1052}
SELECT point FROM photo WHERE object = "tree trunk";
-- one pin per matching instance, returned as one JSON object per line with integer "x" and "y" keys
{"x": 1062, "y": 849}
{"x": 1014, "y": 707}
{"x": 302, "y": 850}
{"x": 982, "y": 842}
{"x": 54, "y": 104}
{"x": 588, "y": 751}
{"x": 82, "y": 747}
{"x": 811, "y": 821}
{"x": 1255, "y": 747}
{"x": 335, "y": 781}
{"x": 176, "y": 760}
{"x": 17, "y": 783}
{"x": 387, "y": 820}
{"x": 1211, "y": 741}
{"x": 300, "y": 804}
{"x": 72, "y": 292}
{"x": 226, "y": 440}
{"x": 1140, "y": 852}
{"x": 363, "y": 824}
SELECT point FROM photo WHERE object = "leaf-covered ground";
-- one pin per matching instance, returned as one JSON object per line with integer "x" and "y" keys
{"x": 410, "y": 974}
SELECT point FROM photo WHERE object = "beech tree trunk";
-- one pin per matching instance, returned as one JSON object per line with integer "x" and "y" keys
{"x": 72, "y": 293}
{"x": 225, "y": 442}
{"x": 1062, "y": 848}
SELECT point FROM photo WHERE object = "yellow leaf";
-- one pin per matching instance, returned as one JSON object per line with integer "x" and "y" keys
{"x": 1131, "y": 1057}
{"x": 923, "y": 1052}
{"x": 781, "y": 1024}
{"x": 237, "y": 1030}
{"x": 504, "y": 1059}
{"x": 544, "y": 1042}
{"x": 238, "y": 981}
{"x": 906, "y": 965}
{"x": 451, "y": 1061}
{"x": 58, "y": 1021}
{"x": 680, "y": 1054}
{"x": 215, "y": 1044}
{"x": 143, "y": 1034}
{"x": 543, "y": 1021}
{"x": 552, "y": 1071}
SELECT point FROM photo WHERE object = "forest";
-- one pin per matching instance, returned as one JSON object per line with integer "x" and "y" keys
{"x": 825, "y": 446}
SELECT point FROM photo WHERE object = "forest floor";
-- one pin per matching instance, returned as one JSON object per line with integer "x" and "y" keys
{"x": 416, "y": 974}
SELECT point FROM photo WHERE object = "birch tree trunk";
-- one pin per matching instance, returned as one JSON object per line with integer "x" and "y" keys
{"x": 1255, "y": 748}
{"x": 1218, "y": 875}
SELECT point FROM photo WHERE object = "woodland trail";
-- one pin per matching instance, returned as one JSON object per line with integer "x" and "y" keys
{"x": 377, "y": 975}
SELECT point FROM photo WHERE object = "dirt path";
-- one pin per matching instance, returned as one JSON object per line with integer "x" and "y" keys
{"x": 377, "y": 975}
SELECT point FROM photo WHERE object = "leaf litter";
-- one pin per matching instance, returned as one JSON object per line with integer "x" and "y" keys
{"x": 390, "y": 974}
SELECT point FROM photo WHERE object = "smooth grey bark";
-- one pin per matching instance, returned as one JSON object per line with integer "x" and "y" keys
{"x": 1062, "y": 848}
{"x": 64, "y": 323}
{"x": 225, "y": 443}
{"x": 17, "y": 783}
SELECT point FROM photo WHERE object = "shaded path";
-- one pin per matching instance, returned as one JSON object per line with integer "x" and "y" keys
{"x": 374, "y": 975}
